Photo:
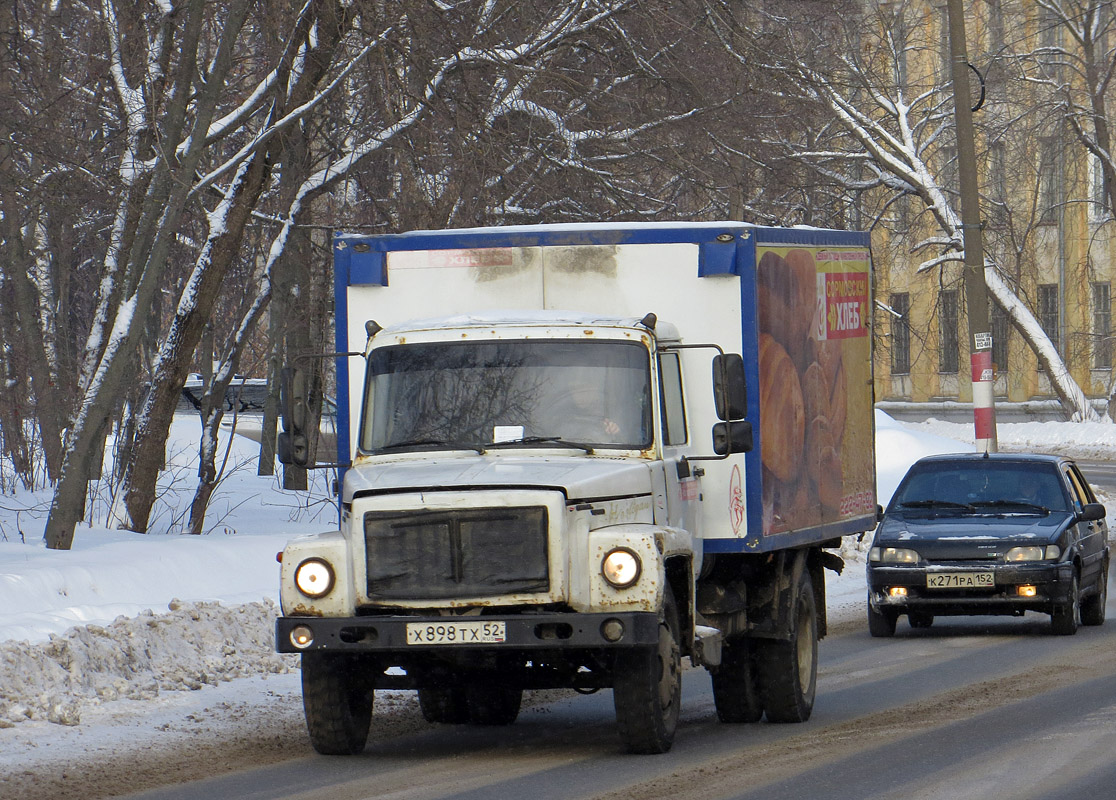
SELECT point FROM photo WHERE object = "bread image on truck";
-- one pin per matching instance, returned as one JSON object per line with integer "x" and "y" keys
{"x": 573, "y": 455}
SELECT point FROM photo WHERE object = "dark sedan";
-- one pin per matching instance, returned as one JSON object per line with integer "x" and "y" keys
{"x": 990, "y": 534}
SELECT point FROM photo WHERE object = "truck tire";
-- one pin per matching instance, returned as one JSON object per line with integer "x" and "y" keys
{"x": 882, "y": 623}
{"x": 788, "y": 670}
{"x": 735, "y": 693}
{"x": 647, "y": 688}
{"x": 493, "y": 705}
{"x": 444, "y": 706}
{"x": 337, "y": 700}
{"x": 1092, "y": 610}
{"x": 1065, "y": 619}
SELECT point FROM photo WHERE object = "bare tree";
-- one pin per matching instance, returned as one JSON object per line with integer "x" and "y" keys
{"x": 888, "y": 135}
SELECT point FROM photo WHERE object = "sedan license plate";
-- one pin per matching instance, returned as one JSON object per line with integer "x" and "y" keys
{"x": 472, "y": 632}
{"x": 960, "y": 580}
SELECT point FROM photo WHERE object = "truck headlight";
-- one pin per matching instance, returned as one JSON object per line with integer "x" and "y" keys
{"x": 893, "y": 555}
{"x": 621, "y": 567}
{"x": 314, "y": 577}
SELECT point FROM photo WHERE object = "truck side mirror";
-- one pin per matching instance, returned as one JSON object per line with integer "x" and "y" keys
{"x": 730, "y": 390}
{"x": 293, "y": 446}
{"x": 732, "y": 437}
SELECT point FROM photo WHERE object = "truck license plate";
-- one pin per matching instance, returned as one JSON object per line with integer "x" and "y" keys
{"x": 960, "y": 580}
{"x": 455, "y": 632}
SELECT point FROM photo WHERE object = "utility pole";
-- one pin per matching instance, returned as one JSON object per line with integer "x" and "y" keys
{"x": 976, "y": 290}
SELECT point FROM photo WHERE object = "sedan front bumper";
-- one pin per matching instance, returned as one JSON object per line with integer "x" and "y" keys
{"x": 1053, "y": 587}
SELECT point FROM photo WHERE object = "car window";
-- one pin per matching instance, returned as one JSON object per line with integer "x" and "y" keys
{"x": 1082, "y": 492}
{"x": 982, "y": 485}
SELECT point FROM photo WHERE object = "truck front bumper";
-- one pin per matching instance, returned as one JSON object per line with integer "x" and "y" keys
{"x": 532, "y": 632}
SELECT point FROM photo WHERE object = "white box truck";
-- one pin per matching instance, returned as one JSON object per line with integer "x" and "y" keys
{"x": 574, "y": 455}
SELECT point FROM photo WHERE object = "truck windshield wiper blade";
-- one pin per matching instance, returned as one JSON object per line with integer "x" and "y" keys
{"x": 429, "y": 443}
{"x": 529, "y": 440}
{"x": 935, "y": 504}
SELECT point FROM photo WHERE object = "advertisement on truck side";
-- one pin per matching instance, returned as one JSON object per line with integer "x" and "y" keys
{"x": 814, "y": 346}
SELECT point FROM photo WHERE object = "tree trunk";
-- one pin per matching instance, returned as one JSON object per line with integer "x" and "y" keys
{"x": 186, "y": 332}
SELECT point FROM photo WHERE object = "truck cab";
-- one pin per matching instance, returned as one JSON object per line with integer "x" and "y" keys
{"x": 519, "y": 512}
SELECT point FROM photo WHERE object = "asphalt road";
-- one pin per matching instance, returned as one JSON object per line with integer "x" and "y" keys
{"x": 970, "y": 708}
{"x": 1101, "y": 474}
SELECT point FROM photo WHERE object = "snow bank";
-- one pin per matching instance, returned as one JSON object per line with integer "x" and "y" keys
{"x": 194, "y": 645}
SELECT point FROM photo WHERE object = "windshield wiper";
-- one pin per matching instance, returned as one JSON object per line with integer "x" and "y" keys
{"x": 429, "y": 443}
{"x": 1014, "y": 503}
{"x": 935, "y": 504}
{"x": 529, "y": 440}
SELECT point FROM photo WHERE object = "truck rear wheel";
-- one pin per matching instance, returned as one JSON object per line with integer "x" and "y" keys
{"x": 647, "y": 688}
{"x": 337, "y": 700}
{"x": 735, "y": 693}
{"x": 788, "y": 670}
{"x": 493, "y": 705}
{"x": 445, "y": 706}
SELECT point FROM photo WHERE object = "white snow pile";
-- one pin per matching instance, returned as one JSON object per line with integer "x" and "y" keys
{"x": 193, "y": 645}
{"x": 86, "y": 626}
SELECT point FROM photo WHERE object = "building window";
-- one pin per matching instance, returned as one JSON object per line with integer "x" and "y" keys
{"x": 900, "y": 334}
{"x": 997, "y": 165}
{"x": 1048, "y": 312}
{"x": 1098, "y": 194}
{"x": 1001, "y": 331}
{"x": 1102, "y": 326}
{"x": 947, "y": 331}
{"x": 1049, "y": 186}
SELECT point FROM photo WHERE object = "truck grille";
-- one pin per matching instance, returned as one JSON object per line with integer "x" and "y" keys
{"x": 460, "y": 553}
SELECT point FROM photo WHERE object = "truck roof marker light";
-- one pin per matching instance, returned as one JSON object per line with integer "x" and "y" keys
{"x": 371, "y": 327}
{"x": 649, "y": 321}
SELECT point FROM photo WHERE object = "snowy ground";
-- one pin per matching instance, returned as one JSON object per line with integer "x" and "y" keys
{"x": 158, "y": 637}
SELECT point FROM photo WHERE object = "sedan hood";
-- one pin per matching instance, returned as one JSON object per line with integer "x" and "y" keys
{"x": 582, "y": 478}
{"x": 968, "y": 536}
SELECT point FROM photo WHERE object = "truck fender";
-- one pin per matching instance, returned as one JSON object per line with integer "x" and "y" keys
{"x": 331, "y": 548}
{"x": 666, "y": 557}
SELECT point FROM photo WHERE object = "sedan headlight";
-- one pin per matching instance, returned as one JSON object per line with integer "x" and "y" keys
{"x": 314, "y": 577}
{"x": 1033, "y": 553}
{"x": 893, "y": 555}
{"x": 621, "y": 567}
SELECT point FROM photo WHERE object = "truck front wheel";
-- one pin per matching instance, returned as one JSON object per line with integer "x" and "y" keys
{"x": 788, "y": 670}
{"x": 735, "y": 693}
{"x": 647, "y": 688}
{"x": 337, "y": 699}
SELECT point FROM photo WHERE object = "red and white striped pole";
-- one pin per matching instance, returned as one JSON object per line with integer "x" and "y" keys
{"x": 976, "y": 291}
{"x": 984, "y": 409}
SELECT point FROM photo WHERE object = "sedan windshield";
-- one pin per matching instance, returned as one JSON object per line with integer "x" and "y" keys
{"x": 506, "y": 393}
{"x": 982, "y": 487}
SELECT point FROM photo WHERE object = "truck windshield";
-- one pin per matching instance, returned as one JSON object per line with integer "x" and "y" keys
{"x": 473, "y": 394}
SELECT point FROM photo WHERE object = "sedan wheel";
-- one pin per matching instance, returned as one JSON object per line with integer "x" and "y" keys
{"x": 1092, "y": 610}
{"x": 1065, "y": 620}
{"x": 881, "y": 623}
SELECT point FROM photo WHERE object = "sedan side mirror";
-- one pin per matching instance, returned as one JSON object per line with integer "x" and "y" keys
{"x": 1091, "y": 512}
